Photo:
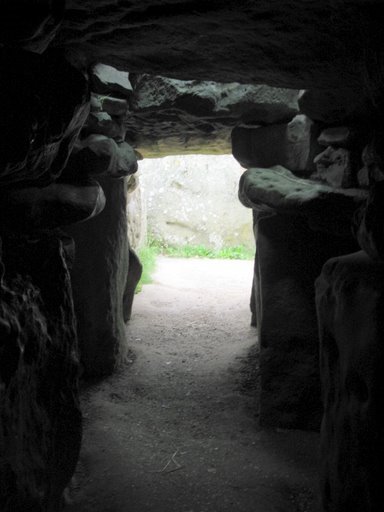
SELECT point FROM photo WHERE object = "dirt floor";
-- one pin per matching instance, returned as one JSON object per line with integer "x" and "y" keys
{"x": 176, "y": 429}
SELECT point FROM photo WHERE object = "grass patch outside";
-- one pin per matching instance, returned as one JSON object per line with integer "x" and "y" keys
{"x": 200, "y": 251}
{"x": 147, "y": 256}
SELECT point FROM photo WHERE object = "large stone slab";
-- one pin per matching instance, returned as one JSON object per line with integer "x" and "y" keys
{"x": 297, "y": 44}
{"x": 256, "y": 104}
{"x": 279, "y": 190}
{"x": 58, "y": 204}
{"x": 98, "y": 155}
{"x": 350, "y": 298}
{"x": 99, "y": 277}
{"x": 292, "y": 145}
{"x": 170, "y": 116}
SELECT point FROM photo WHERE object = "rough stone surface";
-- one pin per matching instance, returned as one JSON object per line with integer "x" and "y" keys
{"x": 325, "y": 46}
{"x": 291, "y": 145}
{"x": 98, "y": 155}
{"x": 256, "y": 104}
{"x": 286, "y": 318}
{"x": 193, "y": 201}
{"x": 337, "y": 136}
{"x": 99, "y": 277}
{"x": 175, "y": 117}
{"x": 114, "y": 106}
{"x": 40, "y": 421}
{"x": 334, "y": 166}
{"x": 58, "y": 204}
{"x": 110, "y": 81}
{"x": 277, "y": 189}
{"x": 103, "y": 123}
{"x": 350, "y": 299}
{"x": 39, "y": 123}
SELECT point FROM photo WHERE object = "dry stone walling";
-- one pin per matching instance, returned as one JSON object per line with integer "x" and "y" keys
{"x": 103, "y": 287}
{"x": 350, "y": 301}
{"x": 317, "y": 210}
{"x": 46, "y": 105}
{"x": 40, "y": 420}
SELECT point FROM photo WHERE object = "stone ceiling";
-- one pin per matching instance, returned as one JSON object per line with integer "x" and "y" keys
{"x": 298, "y": 43}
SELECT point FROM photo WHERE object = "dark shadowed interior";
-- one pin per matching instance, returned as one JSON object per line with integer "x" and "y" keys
{"x": 294, "y": 89}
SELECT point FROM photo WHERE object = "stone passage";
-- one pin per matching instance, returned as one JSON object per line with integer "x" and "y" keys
{"x": 192, "y": 75}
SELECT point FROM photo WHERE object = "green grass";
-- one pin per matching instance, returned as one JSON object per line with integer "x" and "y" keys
{"x": 148, "y": 255}
{"x": 200, "y": 251}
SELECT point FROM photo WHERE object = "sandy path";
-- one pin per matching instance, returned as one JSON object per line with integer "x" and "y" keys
{"x": 183, "y": 396}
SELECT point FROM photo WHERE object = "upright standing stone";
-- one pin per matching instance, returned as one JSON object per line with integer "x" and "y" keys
{"x": 290, "y": 256}
{"x": 350, "y": 303}
{"x": 40, "y": 420}
{"x": 99, "y": 278}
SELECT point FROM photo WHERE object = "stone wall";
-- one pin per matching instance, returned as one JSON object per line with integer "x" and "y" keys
{"x": 320, "y": 196}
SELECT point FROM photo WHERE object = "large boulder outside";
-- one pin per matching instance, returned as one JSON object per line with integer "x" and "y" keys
{"x": 193, "y": 201}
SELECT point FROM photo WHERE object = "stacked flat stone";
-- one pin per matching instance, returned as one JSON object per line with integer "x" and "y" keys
{"x": 45, "y": 106}
{"x": 101, "y": 149}
{"x": 106, "y": 271}
{"x": 302, "y": 184}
